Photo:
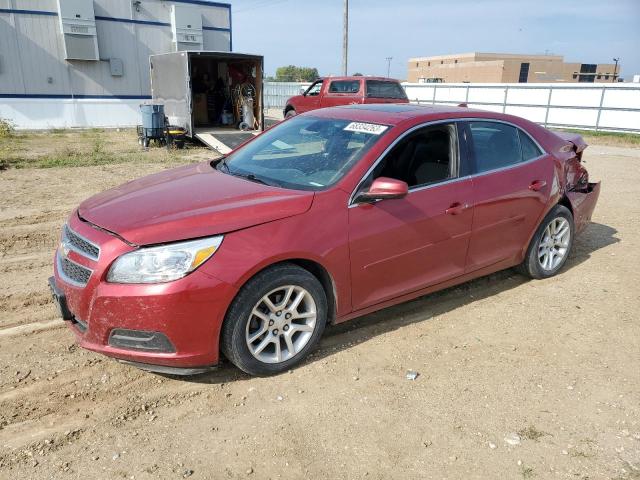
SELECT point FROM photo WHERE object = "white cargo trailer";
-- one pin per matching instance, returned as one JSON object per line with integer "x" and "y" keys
{"x": 216, "y": 96}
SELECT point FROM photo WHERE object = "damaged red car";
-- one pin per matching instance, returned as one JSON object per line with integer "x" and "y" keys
{"x": 325, "y": 217}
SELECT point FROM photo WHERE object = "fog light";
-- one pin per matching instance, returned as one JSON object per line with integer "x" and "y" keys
{"x": 140, "y": 340}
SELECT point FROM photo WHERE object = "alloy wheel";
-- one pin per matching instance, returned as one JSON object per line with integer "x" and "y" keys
{"x": 281, "y": 324}
{"x": 554, "y": 243}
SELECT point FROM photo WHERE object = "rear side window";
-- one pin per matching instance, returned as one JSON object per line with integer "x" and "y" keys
{"x": 344, "y": 86}
{"x": 529, "y": 149}
{"x": 495, "y": 145}
{"x": 384, "y": 89}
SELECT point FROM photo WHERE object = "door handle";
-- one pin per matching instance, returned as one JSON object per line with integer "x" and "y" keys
{"x": 537, "y": 185}
{"x": 456, "y": 208}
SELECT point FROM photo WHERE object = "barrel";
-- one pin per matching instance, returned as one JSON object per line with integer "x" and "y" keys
{"x": 152, "y": 120}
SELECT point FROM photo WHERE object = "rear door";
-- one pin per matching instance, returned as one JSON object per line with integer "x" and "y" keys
{"x": 342, "y": 92}
{"x": 171, "y": 86}
{"x": 511, "y": 188}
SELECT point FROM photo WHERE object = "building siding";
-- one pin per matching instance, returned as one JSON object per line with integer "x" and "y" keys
{"x": 32, "y": 59}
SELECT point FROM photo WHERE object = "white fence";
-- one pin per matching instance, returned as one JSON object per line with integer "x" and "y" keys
{"x": 614, "y": 107}
{"x": 276, "y": 94}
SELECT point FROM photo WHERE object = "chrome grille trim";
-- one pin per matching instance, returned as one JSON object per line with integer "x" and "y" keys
{"x": 73, "y": 273}
{"x": 79, "y": 244}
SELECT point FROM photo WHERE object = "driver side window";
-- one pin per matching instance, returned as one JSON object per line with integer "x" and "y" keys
{"x": 427, "y": 156}
{"x": 314, "y": 90}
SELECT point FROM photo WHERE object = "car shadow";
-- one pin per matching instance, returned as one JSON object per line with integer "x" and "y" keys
{"x": 362, "y": 329}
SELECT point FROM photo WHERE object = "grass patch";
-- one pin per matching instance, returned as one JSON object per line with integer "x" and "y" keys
{"x": 531, "y": 433}
{"x": 526, "y": 472}
{"x": 60, "y": 148}
{"x": 7, "y": 128}
{"x": 607, "y": 138}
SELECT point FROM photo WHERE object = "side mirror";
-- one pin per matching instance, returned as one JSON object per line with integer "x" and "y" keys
{"x": 384, "y": 188}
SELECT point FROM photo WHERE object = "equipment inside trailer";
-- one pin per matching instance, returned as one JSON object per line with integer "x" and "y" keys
{"x": 226, "y": 100}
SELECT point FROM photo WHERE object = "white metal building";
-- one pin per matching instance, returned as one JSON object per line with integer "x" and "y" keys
{"x": 86, "y": 62}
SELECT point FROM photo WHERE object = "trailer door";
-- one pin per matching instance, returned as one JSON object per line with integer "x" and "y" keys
{"x": 171, "y": 86}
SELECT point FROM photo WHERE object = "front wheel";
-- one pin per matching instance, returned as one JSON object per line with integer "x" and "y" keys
{"x": 275, "y": 321}
{"x": 550, "y": 246}
{"x": 290, "y": 113}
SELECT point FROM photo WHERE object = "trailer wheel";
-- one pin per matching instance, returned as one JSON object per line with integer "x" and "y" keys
{"x": 145, "y": 142}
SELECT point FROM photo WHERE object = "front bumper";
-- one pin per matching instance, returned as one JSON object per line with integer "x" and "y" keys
{"x": 187, "y": 312}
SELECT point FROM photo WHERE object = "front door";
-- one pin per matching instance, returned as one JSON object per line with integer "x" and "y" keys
{"x": 402, "y": 245}
{"x": 312, "y": 97}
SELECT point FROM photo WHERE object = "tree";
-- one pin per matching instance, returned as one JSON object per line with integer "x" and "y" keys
{"x": 291, "y": 73}
{"x": 357, "y": 74}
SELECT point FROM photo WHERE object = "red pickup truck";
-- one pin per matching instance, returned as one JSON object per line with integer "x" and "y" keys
{"x": 334, "y": 91}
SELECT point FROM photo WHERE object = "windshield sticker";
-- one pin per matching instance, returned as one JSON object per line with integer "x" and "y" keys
{"x": 370, "y": 128}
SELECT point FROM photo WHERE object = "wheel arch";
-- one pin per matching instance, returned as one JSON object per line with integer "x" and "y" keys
{"x": 559, "y": 200}
{"x": 312, "y": 266}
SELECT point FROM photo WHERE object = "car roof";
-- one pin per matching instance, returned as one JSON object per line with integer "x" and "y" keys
{"x": 358, "y": 77}
{"x": 395, "y": 113}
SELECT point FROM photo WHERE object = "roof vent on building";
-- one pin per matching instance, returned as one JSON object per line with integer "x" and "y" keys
{"x": 186, "y": 27}
{"x": 78, "y": 27}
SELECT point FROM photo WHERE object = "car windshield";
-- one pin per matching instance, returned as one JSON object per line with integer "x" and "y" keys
{"x": 303, "y": 153}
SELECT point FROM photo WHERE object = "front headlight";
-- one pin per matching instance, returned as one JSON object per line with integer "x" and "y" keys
{"x": 163, "y": 263}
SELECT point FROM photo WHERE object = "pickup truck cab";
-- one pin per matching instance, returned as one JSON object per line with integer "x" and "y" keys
{"x": 334, "y": 91}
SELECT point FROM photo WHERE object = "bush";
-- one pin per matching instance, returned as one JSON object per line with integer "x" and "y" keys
{"x": 6, "y": 128}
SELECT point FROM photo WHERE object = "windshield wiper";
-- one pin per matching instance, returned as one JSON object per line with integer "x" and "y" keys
{"x": 251, "y": 177}
{"x": 221, "y": 162}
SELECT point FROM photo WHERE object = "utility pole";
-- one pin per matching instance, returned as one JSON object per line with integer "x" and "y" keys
{"x": 389, "y": 65}
{"x": 345, "y": 38}
{"x": 615, "y": 69}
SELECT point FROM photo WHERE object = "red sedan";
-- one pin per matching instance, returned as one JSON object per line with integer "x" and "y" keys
{"x": 325, "y": 217}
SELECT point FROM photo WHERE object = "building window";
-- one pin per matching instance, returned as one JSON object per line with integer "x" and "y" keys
{"x": 598, "y": 76}
{"x": 606, "y": 76}
{"x": 524, "y": 73}
{"x": 575, "y": 75}
{"x": 587, "y": 73}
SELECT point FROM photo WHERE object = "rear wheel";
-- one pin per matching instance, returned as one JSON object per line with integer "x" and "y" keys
{"x": 275, "y": 321}
{"x": 290, "y": 113}
{"x": 550, "y": 246}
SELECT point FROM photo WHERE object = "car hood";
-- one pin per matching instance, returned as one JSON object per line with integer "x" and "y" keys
{"x": 189, "y": 202}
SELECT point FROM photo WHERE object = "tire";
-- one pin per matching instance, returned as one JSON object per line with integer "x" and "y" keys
{"x": 290, "y": 113}
{"x": 145, "y": 142}
{"x": 243, "y": 327}
{"x": 542, "y": 259}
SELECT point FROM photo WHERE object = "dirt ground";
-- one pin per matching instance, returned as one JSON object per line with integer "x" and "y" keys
{"x": 517, "y": 379}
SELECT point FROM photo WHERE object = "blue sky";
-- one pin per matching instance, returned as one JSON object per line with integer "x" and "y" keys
{"x": 309, "y": 33}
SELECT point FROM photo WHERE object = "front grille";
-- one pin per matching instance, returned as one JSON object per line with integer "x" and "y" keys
{"x": 81, "y": 245}
{"x": 73, "y": 272}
